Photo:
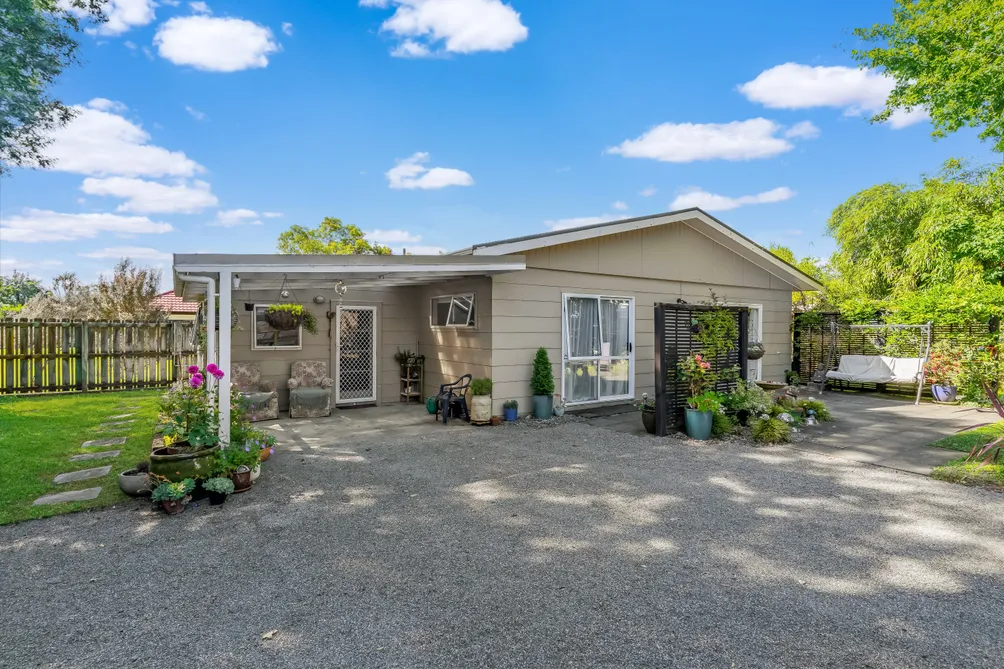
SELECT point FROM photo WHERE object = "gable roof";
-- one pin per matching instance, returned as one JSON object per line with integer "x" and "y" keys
{"x": 694, "y": 217}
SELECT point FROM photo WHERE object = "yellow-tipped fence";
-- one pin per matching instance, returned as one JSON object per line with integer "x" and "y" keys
{"x": 76, "y": 356}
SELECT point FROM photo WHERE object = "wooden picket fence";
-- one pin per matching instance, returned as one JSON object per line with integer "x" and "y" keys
{"x": 81, "y": 356}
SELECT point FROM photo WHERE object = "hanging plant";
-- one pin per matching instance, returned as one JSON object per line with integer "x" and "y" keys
{"x": 290, "y": 317}
{"x": 755, "y": 350}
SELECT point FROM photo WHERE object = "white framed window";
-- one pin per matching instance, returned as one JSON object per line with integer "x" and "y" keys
{"x": 598, "y": 362}
{"x": 266, "y": 338}
{"x": 454, "y": 311}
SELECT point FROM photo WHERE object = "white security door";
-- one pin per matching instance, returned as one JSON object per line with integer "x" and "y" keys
{"x": 355, "y": 356}
{"x": 597, "y": 348}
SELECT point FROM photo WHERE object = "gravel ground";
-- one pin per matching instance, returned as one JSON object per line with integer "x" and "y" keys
{"x": 574, "y": 546}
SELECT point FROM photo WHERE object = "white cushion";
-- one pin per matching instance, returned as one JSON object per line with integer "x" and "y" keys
{"x": 876, "y": 369}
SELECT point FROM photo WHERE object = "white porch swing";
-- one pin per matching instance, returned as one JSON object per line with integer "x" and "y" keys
{"x": 881, "y": 369}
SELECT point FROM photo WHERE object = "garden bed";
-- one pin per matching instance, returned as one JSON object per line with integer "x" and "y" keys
{"x": 971, "y": 473}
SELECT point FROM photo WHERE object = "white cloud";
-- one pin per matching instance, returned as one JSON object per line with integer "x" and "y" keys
{"x": 129, "y": 45}
{"x": 134, "y": 252}
{"x": 215, "y": 44}
{"x": 902, "y": 118}
{"x": 712, "y": 202}
{"x": 150, "y": 197}
{"x": 8, "y": 265}
{"x": 287, "y": 29}
{"x": 620, "y": 206}
{"x": 124, "y": 15}
{"x": 200, "y": 7}
{"x": 231, "y": 218}
{"x": 456, "y": 26}
{"x": 856, "y": 91}
{"x": 271, "y": 214}
{"x": 195, "y": 113}
{"x": 104, "y": 104}
{"x": 411, "y": 173}
{"x": 802, "y": 130}
{"x": 38, "y": 225}
{"x": 689, "y": 142}
{"x": 98, "y": 142}
{"x": 648, "y": 192}
{"x": 568, "y": 223}
{"x": 393, "y": 237}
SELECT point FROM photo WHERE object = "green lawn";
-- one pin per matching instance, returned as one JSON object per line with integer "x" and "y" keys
{"x": 957, "y": 471}
{"x": 39, "y": 434}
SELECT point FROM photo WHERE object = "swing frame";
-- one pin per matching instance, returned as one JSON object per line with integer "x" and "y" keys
{"x": 925, "y": 330}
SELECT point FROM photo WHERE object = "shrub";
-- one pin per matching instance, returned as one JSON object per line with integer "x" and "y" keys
{"x": 822, "y": 413}
{"x": 707, "y": 401}
{"x": 542, "y": 380}
{"x": 510, "y": 404}
{"x": 721, "y": 425}
{"x": 171, "y": 492}
{"x": 792, "y": 378}
{"x": 233, "y": 457}
{"x": 481, "y": 387}
{"x": 771, "y": 431}
{"x": 219, "y": 484}
{"x": 696, "y": 372}
{"x": 748, "y": 396}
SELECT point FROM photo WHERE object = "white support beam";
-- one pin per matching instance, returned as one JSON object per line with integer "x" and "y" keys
{"x": 226, "y": 286}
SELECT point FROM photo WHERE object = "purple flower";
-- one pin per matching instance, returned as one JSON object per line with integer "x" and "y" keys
{"x": 271, "y": 451}
{"x": 218, "y": 373}
{"x": 193, "y": 369}
{"x": 247, "y": 448}
{"x": 212, "y": 368}
{"x": 196, "y": 380}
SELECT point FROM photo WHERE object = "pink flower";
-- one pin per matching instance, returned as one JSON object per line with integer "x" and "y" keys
{"x": 212, "y": 368}
{"x": 193, "y": 369}
{"x": 196, "y": 380}
{"x": 217, "y": 373}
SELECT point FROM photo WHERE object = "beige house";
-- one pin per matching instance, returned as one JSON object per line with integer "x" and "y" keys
{"x": 586, "y": 294}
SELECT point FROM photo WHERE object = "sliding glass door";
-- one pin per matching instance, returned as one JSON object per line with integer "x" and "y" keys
{"x": 597, "y": 348}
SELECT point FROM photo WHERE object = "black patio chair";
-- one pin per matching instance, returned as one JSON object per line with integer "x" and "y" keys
{"x": 452, "y": 398}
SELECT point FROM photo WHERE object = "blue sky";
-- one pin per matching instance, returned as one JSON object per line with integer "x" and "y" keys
{"x": 435, "y": 124}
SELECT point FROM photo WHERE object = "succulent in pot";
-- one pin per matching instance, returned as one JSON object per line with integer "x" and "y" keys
{"x": 136, "y": 481}
{"x": 218, "y": 488}
{"x": 173, "y": 496}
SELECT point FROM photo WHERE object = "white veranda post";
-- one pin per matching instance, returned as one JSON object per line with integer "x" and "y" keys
{"x": 223, "y": 390}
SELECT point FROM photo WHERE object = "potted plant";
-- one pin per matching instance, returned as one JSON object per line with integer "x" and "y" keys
{"x": 218, "y": 488}
{"x": 542, "y": 385}
{"x": 191, "y": 423}
{"x": 481, "y": 401}
{"x": 290, "y": 317}
{"x": 265, "y": 443}
{"x": 136, "y": 481}
{"x": 510, "y": 410}
{"x": 559, "y": 406}
{"x": 647, "y": 408}
{"x": 236, "y": 462}
{"x": 700, "y": 415}
{"x": 755, "y": 350}
{"x": 173, "y": 496}
{"x": 942, "y": 370}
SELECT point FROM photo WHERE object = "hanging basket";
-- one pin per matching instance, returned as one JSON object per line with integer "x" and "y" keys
{"x": 755, "y": 350}
{"x": 283, "y": 320}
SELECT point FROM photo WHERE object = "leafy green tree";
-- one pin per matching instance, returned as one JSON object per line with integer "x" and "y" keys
{"x": 945, "y": 56}
{"x": 331, "y": 237}
{"x": 17, "y": 289}
{"x": 127, "y": 296}
{"x": 814, "y": 267}
{"x": 37, "y": 42}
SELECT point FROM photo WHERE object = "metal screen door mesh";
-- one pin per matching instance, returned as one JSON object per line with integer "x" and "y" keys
{"x": 356, "y": 359}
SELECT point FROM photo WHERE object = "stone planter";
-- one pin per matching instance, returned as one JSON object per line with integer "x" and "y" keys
{"x": 175, "y": 463}
{"x": 543, "y": 406}
{"x": 481, "y": 409}
{"x": 134, "y": 483}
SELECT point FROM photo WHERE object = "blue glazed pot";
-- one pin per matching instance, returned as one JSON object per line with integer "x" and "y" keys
{"x": 699, "y": 424}
{"x": 944, "y": 393}
{"x": 510, "y": 414}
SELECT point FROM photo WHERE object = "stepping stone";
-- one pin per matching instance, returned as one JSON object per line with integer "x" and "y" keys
{"x": 95, "y": 456}
{"x": 69, "y": 496}
{"x": 83, "y": 474}
{"x": 111, "y": 441}
{"x": 116, "y": 423}
{"x": 132, "y": 406}
{"x": 122, "y": 415}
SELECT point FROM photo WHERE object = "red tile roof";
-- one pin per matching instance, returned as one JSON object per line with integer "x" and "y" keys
{"x": 173, "y": 304}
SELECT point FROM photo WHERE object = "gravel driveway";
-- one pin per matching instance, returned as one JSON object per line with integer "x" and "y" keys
{"x": 572, "y": 546}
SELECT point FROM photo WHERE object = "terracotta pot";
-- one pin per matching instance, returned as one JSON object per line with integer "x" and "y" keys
{"x": 173, "y": 506}
{"x": 264, "y": 454}
{"x": 496, "y": 420}
{"x": 242, "y": 481}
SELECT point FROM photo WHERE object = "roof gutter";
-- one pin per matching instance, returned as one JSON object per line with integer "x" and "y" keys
{"x": 210, "y": 312}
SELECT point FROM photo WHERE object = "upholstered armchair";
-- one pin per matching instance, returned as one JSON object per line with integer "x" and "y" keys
{"x": 309, "y": 389}
{"x": 261, "y": 396}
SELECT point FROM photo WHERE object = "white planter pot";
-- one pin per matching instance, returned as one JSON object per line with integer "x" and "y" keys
{"x": 481, "y": 409}
{"x": 256, "y": 472}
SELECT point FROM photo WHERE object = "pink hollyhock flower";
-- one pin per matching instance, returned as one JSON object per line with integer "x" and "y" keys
{"x": 193, "y": 369}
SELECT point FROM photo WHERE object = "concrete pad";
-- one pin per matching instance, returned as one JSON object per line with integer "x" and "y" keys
{"x": 95, "y": 456}
{"x": 69, "y": 496}
{"x": 110, "y": 441}
{"x": 83, "y": 474}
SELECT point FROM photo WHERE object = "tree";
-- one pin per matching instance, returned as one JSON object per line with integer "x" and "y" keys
{"x": 805, "y": 300}
{"x": 331, "y": 237}
{"x": 127, "y": 296}
{"x": 945, "y": 56}
{"x": 17, "y": 289}
{"x": 37, "y": 42}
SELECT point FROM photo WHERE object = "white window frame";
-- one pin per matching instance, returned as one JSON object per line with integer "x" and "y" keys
{"x": 254, "y": 332}
{"x": 565, "y": 358}
{"x": 452, "y": 296}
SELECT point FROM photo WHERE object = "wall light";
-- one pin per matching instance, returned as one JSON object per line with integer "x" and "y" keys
{"x": 236, "y": 281}
{"x": 320, "y": 299}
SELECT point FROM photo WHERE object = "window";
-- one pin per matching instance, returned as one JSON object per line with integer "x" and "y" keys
{"x": 265, "y": 337}
{"x": 454, "y": 311}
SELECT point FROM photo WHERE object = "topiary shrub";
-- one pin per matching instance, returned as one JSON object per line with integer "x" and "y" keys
{"x": 721, "y": 425}
{"x": 771, "y": 431}
{"x": 481, "y": 387}
{"x": 542, "y": 380}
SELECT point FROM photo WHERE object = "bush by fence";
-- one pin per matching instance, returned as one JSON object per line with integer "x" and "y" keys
{"x": 68, "y": 356}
